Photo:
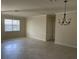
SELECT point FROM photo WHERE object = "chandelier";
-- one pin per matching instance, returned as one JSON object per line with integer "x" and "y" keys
{"x": 65, "y": 21}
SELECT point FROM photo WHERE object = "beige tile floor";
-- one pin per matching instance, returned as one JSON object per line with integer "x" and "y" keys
{"x": 22, "y": 48}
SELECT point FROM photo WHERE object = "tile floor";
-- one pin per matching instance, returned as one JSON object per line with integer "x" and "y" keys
{"x": 22, "y": 48}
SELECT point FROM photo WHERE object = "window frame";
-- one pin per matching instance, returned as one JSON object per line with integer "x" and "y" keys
{"x": 13, "y": 25}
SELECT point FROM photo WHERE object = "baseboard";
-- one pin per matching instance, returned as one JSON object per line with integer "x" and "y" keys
{"x": 65, "y": 44}
{"x": 36, "y": 38}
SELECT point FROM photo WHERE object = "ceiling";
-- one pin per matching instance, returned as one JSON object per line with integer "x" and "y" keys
{"x": 35, "y": 7}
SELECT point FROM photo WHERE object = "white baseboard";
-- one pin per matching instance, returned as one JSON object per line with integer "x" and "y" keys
{"x": 36, "y": 38}
{"x": 65, "y": 44}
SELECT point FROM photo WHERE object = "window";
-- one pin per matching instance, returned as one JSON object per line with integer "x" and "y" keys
{"x": 12, "y": 25}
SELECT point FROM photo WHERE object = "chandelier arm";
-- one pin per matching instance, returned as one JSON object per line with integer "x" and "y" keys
{"x": 64, "y": 22}
{"x": 61, "y": 22}
{"x": 67, "y": 22}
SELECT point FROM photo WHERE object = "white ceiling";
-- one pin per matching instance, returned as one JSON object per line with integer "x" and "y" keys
{"x": 34, "y": 7}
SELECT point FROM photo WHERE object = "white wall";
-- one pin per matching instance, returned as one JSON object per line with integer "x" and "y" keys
{"x": 36, "y": 27}
{"x": 66, "y": 35}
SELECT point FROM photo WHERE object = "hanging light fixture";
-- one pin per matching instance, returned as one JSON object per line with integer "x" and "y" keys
{"x": 65, "y": 21}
